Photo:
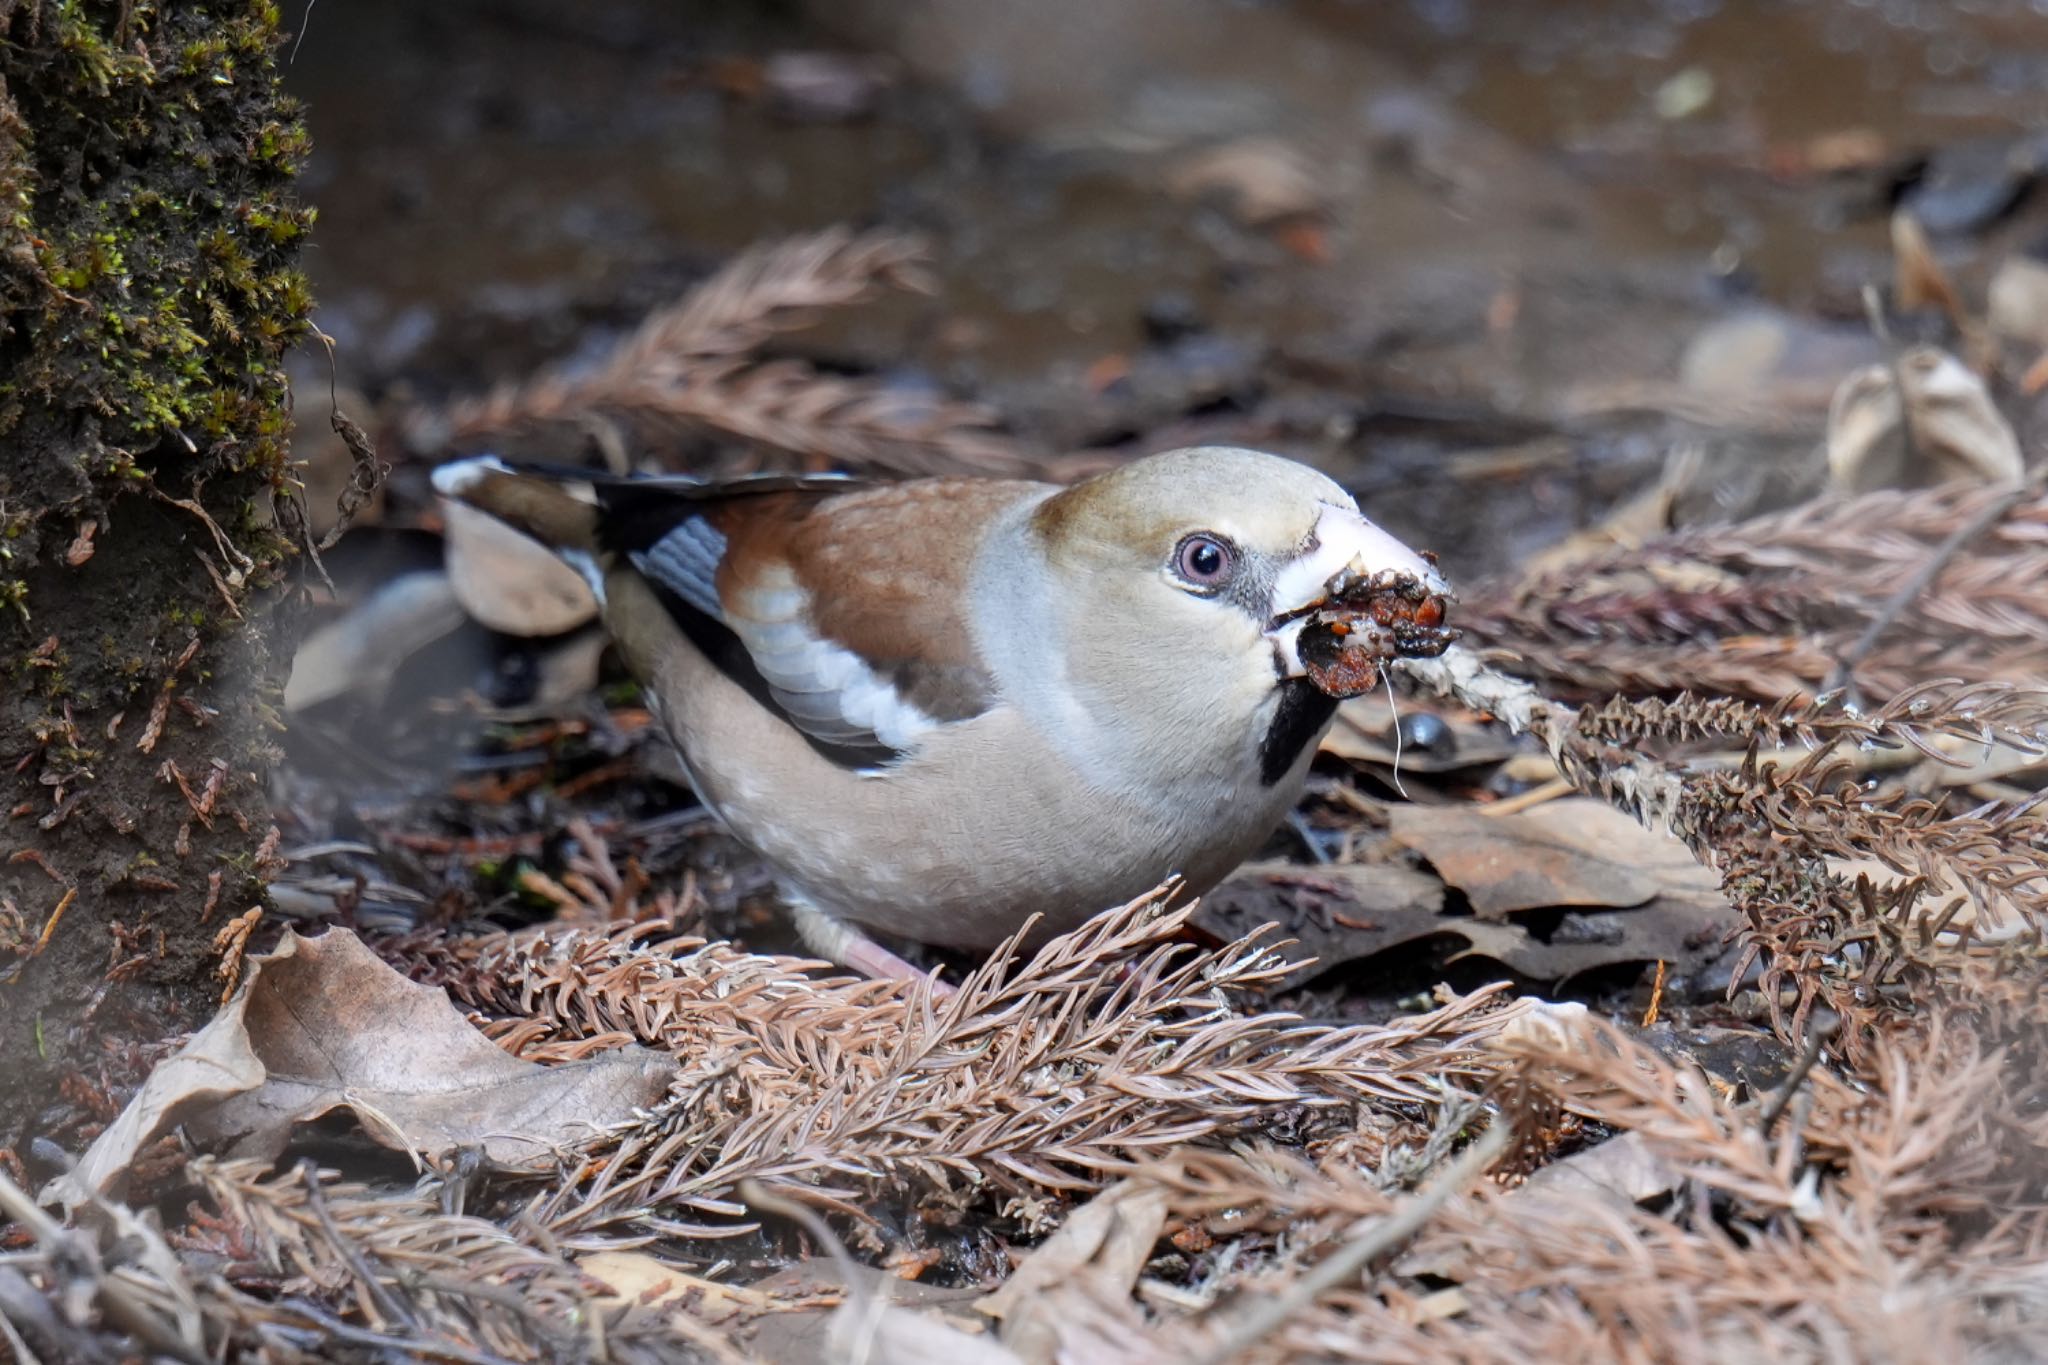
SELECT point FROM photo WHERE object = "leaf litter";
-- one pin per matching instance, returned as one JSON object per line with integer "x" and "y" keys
{"x": 1136, "y": 1132}
{"x": 322, "y": 1023}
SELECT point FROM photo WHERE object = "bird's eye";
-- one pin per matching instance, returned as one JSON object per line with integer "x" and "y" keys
{"x": 1204, "y": 561}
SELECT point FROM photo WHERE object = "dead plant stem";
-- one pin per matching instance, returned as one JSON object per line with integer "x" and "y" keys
{"x": 1822, "y": 1028}
{"x": 1923, "y": 578}
{"x": 1345, "y": 1263}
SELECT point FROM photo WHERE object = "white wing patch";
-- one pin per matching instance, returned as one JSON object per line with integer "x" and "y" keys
{"x": 827, "y": 689}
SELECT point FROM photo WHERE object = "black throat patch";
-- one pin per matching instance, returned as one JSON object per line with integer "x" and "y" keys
{"x": 1304, "y": 710}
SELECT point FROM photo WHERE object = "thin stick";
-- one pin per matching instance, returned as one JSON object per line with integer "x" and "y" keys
{"x": 1539, "y": 795}
{"x": 1817, "y": 1034}
{"x": 1923, "y": 578}
{"x": 350, "y": 1254}
{"x": 1376, "y": 1241}
{"x": 50, "y": 924}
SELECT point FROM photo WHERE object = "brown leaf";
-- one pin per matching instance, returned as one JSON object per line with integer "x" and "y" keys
{"x": 1574, "y": 852}
{"x": 1624, "y": 1167}
{"x": 1363, "y": 734}
{"x": 634, "y": 1277}
{"x": 1335, "y": 914}
{"x": 1264, "y": 180}
{"x": 880, "y": 1319}
{"x": 1632, "y": 896}
{"x": 322, "y": 1024}
{"x": 1946, "y": 428}
{"x": 1682, "y": 932}
{"x": 509, "y": 581}
{"x": 2017, "y": 300}
{"x": 337, "y": 1027}
{"x": 1918, "y": 279}
{"x": 215, "y": 1062}
{"x": 1098, "y": 1251}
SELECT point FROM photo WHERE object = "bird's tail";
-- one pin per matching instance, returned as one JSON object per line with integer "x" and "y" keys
{"x": 558, "y": 508}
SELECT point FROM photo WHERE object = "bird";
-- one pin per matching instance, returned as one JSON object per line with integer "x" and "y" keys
{"x": 947, "y": 709}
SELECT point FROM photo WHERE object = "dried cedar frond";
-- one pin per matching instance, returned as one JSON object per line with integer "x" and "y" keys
{"x": 1765, "y": 609}
{"x": 693, "y": 368}
{"x": 299, "y": 1266}
{"x": 777, "y": 287}
{"x": 394, "y": 1262}
{"x": 1033, "y": 1078}
{"x": 1779, "y": 833}
{"x": 1837, "y": 1236}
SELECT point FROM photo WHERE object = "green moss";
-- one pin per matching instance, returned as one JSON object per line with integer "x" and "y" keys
{"x": 154, "y": 198}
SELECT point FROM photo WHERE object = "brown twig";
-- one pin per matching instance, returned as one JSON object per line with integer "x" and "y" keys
{"x": 366, "y": 476}
{"x": 350, "y": 1254}
{"x": 50, "y": 924}
{"x": 1373, "y": 1242}
{"x": 1910, "y": 591}
{"x": 1818, "y": 1031}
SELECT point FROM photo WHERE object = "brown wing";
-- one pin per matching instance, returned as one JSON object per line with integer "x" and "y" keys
{"x": 841, "y": 605}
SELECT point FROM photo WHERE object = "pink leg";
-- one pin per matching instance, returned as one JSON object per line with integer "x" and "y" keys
{"x": 837, "y": 941}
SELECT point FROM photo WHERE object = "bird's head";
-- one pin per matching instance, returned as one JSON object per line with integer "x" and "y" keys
{"x": 1185, "y": 578}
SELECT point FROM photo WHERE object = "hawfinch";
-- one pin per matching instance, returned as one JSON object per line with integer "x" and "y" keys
{"x": 940, "y": 707}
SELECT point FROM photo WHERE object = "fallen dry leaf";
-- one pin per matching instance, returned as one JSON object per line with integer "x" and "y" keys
{"x": 336, "y": 1027}
{"x": 1098, "y": 1251}
{"x": 1685, "y": 934}
{"x": 2017, "y": 300}
{"x": 1334, "y": 914}
{"x": 1918, "y": 279}
{"x": 634, "y": 1277}
{"x": 1628, "y": 895}
{"x": 509, "y": 581}
{"x": 215, "y": 1062}
{"x": 1623, "y": 1167}
{"x": 1946, "y": 428}
{"x": 1364, "y": 734}
{"x": 1573, "y": 852}
{"x": 1264, "y": 180}
{"x": 879, "y": 1318}
{"x": 1348, "y": 913}
{"x": 322, "y": 1024}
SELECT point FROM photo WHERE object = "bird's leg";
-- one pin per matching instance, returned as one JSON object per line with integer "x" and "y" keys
{"x": 837, "y": 941}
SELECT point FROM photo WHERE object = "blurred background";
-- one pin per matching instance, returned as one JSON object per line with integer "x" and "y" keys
{"x": 1433, "y": 245}
{"x": 1515, "y": 273}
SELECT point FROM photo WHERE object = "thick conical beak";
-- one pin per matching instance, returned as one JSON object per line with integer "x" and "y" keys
{"x": 1344, "y": 540}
